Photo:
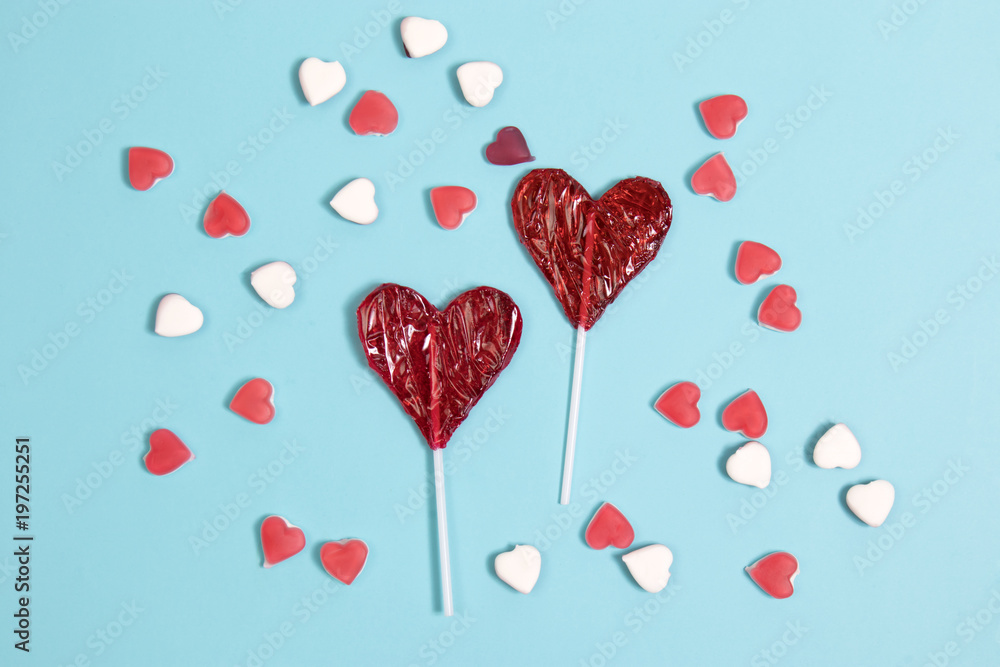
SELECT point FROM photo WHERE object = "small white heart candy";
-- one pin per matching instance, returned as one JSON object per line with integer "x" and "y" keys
{"x": 321, "y": 80}
{"x": 356, "y": 202}
{"x": 838, "y": 448}
{"x": 422, "y": 37}
{"x": 871, "y": 502}
{"x": 519, "y": 568}
{"x": 650, "y": 566}
{"x": 176, "y": 316}
{"x": 478, "y": 81}
{"x": 274, "y": 283}
{"x": 750, "y": 465}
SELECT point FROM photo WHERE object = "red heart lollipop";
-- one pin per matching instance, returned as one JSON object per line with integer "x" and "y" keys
{"x": 438, "y": 363}
{"x": 589, "y": 249}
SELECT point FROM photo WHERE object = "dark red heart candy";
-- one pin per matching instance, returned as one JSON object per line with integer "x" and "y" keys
{"x": 438, "y": 363}
{"x": 589, "y": 249}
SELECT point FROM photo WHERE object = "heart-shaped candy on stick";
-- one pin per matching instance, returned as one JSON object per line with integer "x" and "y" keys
{"x": 439, "y": 363}
{"x": 588, "y": 249}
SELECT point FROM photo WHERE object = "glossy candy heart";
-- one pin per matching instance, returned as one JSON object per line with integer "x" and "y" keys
{"x": 746, "y": 415}
{"x": 589, "y": 249}
{"x": 166, "y": 452}
{"x": 715, "y": 178}
{"x": 723, "y": 114}
{"x": 374, "y": 114}
{"x": 438, "y": 363}
{"x": 344, "y": 560}
{"x": 754, "y": 261}
{"x": 226, "y": 217}
{"x": 509, "y": 148}
{"x": 280, "y": 540}
{"x": 148, "y": 166}
{"x": 452, "y": 204}
{"x": 775, "y": 574}
{"x": 679, "y": 404}
{"x": 254, "y": 401}
{"x": 609, "y": 527}
{"x": 778, "y": 310}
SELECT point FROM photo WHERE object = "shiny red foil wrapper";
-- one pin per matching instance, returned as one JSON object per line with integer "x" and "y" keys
{"x": 438, "y": 363}
{"x": 589, "y": 249}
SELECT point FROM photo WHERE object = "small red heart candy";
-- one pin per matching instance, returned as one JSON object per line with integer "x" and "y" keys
{"x": 374, "y": 114}
{"x": 715, "y": 178}
{"x": 746, "y": 415}
{"x": 679, "y": 404}
{"x": 775, "y": 574}
{"x": 723, "y": 114}
{"x": 452, "y": 204}
{"x": 254, "y": 401}
{"x": 778, "y": 310}
{"x": 509, "y": 148}
{"x": 280, "y": 540}
{"x": 147, "y": 166}
{"x": 166, "y": 453}
{"x": 344, "y": 560}
{"x": 755, "y": 260}
{"x": 609, "y": 526}
{"x": 225, "y": 216}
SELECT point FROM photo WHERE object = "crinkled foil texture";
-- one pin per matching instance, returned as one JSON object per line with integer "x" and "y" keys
{"x": 438, "y": 363}
{"x": 589, "y": 250}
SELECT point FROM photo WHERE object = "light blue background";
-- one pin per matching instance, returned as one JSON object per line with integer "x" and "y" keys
{"x": 361, "y": 459}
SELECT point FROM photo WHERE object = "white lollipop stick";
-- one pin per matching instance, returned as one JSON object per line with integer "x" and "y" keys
{"x": 574, "y": 415}
{"x": 442, "y": 532}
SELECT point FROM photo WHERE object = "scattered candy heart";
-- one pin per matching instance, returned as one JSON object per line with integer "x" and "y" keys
{"x": 746, "y": 415}
{"x": 871, "y": 502}
{"x": 837, "y": 448}
{"x": 147, "y": 167}
{"x": 356, "y": 202}
{"x": 778, "y": 310}
{"x": 176, "y": 316}
{"x": 422, "y": 37}
{"x": 274, "y": 283}
{"x": 321, "y": 80}
{"x": 280, "y": 540}
{"x": 254, "y": 401}
{"x": 775, "y": 574}
{"x": 723, "y": 114}
{"x": 589, "y": 249}
{"x": 750, "y": 465}
{"x": 452, "y": 204}
{"x": 438, "y": 363}
{"x": 166, "y": 453}
{"x": 478, "y": 80}
{"x": 374, "y": 114}
{"x": 519, "y": 568}
{"x": 679, "y": 404}
{"x": 609, "y": 526}
{"x": 715, "y": 178}
{"x": 509, "y": 148}
{"x": 226, "y": 217}
{"x": 344, "y": 560}
{"x": 650, "y": 566}
{"x": 754, "y": 261}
